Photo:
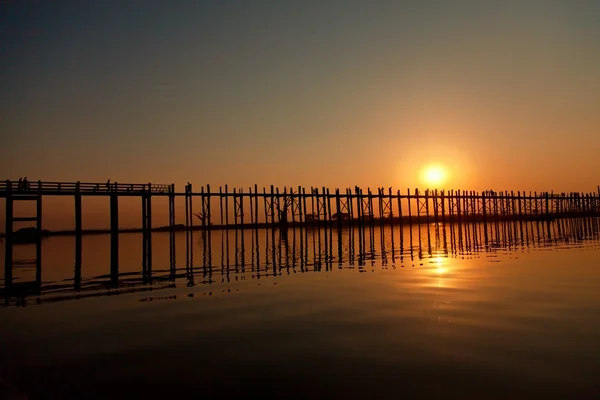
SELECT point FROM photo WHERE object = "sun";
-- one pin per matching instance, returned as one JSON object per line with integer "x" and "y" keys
{"x": 434, "y": 175}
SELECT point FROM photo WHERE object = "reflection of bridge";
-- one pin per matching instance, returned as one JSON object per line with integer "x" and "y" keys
{"x": 308, "y": 249}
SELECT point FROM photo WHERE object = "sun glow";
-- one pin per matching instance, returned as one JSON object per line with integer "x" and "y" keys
{"x": 433, "y": 175}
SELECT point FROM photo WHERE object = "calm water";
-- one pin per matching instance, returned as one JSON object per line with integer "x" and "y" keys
{"x": 506, "y": 310}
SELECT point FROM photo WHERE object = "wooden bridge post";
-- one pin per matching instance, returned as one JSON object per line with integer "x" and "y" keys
{"x": 337, "y": 209}
{"x": 300, "y": 212}
{"x": 208, "y": 198}
{"x": 350, "y": 207}
{"x": 78, "y": 237}
{"x": 221, "y": 203}
{"x": 241, "y": 209}
{"x": 255, "y": 203}
{"x": 391, "y": 204}
{"x": 359, "y": 206}
{"x": 38, "y": 242}
{"x": 8, "y": 250}
{"x": 272, "y": 198}
{"x": 304, "y": 203}
{"x": 483, "y": 205}
{"x": 235, "y": 211}
{"x": 427, "y": 206}
{"x": 380, "y": 206}
{"x": 399, "y": 201}
{"x": 276, "y": 200}
{"x": 371, "y": 212}
{"x": 434, "y": 199}
{"x": 149, "y": 226}
{"x": 252, "y": 222}
{"x": 443, "y": 204}
{"x": 145, "y": 229}
{"x": 409, "y": 209}
{"x": 172, "y": 225}
{"x": 329, "y": 208}
{"x": 114, "y": 234}
{"x": 451, "y": 204}
{"x": 226, "y": 206}
{"x": 203, "y": 211}
{"x": 188, "y": 217}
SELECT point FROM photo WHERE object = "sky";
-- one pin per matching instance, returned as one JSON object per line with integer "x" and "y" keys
{"x": 502, "y": 95}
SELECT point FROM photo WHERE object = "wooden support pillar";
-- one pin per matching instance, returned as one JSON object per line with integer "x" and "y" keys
{"x": 242, "y": 209}
{"x": 443, "y": 204}
{"x": 226, "y": 206}
{"x": 399, "y": 210}
{"x": 329, "y": 207}
{"x": 188, "y": 217}
{"x": 221, "y": 203}
{"x": 78, "y": 237}
{"x": 272, "y": 205}
{"x": 409, "y": 209}
{"x": 172, "y": 225}
{"x": 208, "y": 201}
{"x": 235, "y": 209}
{"x": 251, "y": 201}
{"x": 300, "y": 208}
{"x": 145, "y": 233}
{"x": 483, "y": 205}
{"x": 114, "y": 236}
{"x": 304, "y": 203}
{"x": 359, "y": 208}
{"x": 149, "y": 229}
{"x": 8, "y": 249}
{"x": 337, "y": 208}
{"x": 38, "y": 243}
{"x": 255, "y": 203}
{"x": 391, "y": 206}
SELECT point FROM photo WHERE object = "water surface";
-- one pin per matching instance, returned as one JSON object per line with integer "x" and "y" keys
{"x": 501, "y": 310}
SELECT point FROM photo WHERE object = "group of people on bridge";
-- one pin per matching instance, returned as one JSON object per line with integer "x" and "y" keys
{"x": 23, "y": 184}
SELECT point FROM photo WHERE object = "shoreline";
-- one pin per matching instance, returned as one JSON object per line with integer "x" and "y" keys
{"x": 405, "y": 220}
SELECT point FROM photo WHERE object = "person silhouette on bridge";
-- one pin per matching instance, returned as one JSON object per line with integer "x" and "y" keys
{"x": 25, "y": 184}
{"x": 20, "y": 185}
{"x": 108, "y": 184}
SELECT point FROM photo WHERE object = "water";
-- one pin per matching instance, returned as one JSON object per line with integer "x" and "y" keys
{"x": 495, "y": 311}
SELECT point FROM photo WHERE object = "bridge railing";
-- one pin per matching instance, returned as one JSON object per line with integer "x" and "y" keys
{"x": 83, "y": 187}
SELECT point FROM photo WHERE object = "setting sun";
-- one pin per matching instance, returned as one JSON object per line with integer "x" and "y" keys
{"x": 434, "y": 175}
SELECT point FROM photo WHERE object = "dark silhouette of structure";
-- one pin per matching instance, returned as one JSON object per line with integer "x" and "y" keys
{"x": 287, "y": 209}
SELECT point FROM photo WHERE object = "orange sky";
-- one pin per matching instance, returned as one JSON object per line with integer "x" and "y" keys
{"x": 330, "y": 94}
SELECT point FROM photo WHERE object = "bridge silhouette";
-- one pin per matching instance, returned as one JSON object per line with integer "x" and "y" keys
{"x": 289, "y": 207}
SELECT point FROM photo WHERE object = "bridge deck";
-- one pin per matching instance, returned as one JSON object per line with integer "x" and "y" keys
{"x": 84, "y": 188}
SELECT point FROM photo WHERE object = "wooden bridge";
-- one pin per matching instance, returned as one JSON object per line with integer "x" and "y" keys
{"x": 23, "y": 190}
{"x": 84, "y": 188}
{"x": 298, "y": 206}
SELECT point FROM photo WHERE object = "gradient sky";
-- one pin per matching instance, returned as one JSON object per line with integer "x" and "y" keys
{"x": 505, "y": 94}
